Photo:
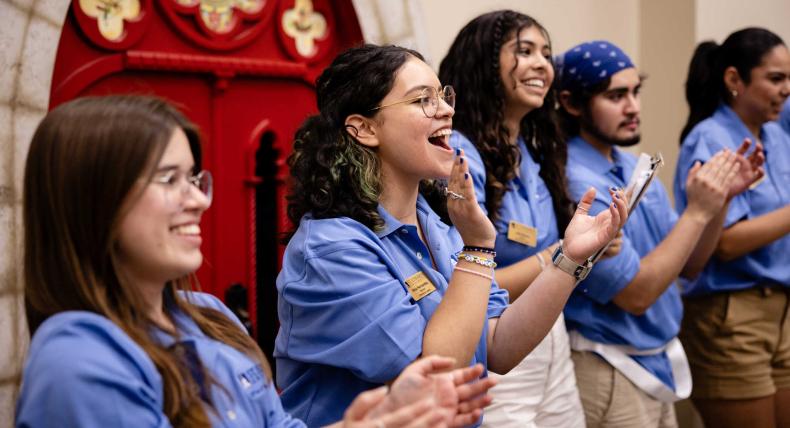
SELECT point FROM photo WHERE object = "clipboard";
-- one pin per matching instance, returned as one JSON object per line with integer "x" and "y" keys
{"x": 646, "y": 168}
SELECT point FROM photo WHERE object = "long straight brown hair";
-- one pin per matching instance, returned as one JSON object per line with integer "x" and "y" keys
{"x": 85, "y": 160}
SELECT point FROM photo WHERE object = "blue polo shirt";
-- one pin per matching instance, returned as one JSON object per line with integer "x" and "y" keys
{"x": 770, "y": 264}
{"x": 527, "y": 202}
{"x": 83, "y": 370}
{"x": 347, "y": 320}
{"x": 590, "y": 309}
{"x": 784, "y": 117}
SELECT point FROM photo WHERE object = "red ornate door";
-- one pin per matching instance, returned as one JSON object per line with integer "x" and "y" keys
{"x": 243, "y": 70}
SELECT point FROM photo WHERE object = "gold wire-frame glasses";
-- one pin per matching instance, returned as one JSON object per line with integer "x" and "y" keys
{"x": 429, "y": 100}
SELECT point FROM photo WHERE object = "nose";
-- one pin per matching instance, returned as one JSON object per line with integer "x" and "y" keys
{"x": 444, "y": 109}
{"x": 632, "y": 104}
{"x": 194, "y": 199}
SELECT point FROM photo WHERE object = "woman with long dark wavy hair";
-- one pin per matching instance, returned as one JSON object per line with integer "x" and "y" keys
{"x": 501, "y": 65}
{"x": 112, "y": 204}
{"x": 735, "y": 329}
{"x": 372, "y": 278}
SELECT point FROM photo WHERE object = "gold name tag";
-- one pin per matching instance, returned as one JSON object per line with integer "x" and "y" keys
{"x": 522, "y": 233}
{"x": 419, "y": 286}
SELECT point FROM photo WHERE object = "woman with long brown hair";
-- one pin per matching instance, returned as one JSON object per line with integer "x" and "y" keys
{"x": 113, "y": 198}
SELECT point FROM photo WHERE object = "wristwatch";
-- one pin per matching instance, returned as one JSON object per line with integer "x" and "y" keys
{"x": 569, "y": 266}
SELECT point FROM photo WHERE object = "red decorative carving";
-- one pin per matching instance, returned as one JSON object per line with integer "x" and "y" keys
{"x": 219, "y": 24}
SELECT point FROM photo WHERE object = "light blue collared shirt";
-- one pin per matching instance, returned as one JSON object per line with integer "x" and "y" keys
{"x": 527, "y": 201}
{"x": 590, "y": 309}
{"x": 83, "y": 370}
{"x": 769, "y": 264}
{"x": 347, "y": 320}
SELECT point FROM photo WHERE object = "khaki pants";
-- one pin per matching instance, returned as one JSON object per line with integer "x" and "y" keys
{"x": 738, "y": 343}
{"x": 611, "y": 400}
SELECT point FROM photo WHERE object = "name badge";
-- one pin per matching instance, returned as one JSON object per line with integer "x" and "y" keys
{"x": 522, "y": 233}
{"x": 419, "y": 286}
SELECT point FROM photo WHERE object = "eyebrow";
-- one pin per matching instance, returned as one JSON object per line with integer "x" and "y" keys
{"x": 420, "y": 88}
{"x": 530, "y": 43}
{"x": 621, "y": 90}
{"x": 168, "y": 168}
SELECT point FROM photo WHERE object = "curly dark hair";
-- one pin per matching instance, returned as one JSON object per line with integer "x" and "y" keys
{"x": 472, "y": 68}
{"x": 332, "y": 174}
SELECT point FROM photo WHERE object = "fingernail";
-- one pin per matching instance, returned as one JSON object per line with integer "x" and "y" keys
{"x": 612, "y": 189}
{"x": 466, "y": 176}
{"x": 457, "y": 152}
{"x": 616, "y": 195}
{"x": 461, "y": 161}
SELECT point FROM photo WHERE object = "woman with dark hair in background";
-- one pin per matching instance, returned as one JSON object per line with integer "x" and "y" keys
{"x": 112, "y": 205}
{"x": 501, "y": 65}
{"x": 736, "y": 330}
{"x": 372, "y": 278}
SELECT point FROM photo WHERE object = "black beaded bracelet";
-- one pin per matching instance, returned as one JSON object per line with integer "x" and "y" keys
{"x": 485, "y": 250}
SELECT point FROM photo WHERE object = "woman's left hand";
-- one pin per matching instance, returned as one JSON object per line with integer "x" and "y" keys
{"x": 587, "y": 234}
{"x": 614, "y": 246}
{"x": 751, "y": 168}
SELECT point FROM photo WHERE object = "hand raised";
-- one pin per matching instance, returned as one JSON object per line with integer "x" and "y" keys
{"x": 587, "y": 234}
{"x": 750, "y": 168}
{"x": 707, "y": 185}
{"x": 473, "y": 225}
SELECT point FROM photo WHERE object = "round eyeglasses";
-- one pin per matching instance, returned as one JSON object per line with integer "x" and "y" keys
{"x": 172, "y": 180}
{"x": 429, "y": 100}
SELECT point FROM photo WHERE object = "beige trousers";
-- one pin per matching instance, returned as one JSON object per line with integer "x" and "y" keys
{"x": 611, "y": 400}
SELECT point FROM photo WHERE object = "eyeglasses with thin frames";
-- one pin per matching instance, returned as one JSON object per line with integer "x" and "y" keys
{"x": 429, "y": 100}
{"x": 202, "y": 182}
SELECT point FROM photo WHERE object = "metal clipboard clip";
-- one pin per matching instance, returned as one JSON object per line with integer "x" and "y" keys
{"x": 646, "y": 168}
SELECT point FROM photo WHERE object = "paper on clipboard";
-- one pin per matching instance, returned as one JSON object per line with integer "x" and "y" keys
{"x": 644, "y": 172}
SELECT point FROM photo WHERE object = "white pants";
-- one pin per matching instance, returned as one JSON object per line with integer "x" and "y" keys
{"x": 541, "y": 390}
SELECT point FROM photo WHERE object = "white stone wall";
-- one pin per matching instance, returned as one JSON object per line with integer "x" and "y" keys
{"x": 29, "y": 35}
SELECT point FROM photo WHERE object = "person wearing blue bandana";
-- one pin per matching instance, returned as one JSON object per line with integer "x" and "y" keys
{"x": 374, "y": 275}
{"x": 119, "y": 337}
{"x": 736, "y": 329}
{"x": 624, "y": 318}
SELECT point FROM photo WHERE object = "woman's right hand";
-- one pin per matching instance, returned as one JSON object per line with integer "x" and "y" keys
{"x": 473, "y": 225}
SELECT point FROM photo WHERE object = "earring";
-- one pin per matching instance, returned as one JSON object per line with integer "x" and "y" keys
{"x": 734, "y": 93}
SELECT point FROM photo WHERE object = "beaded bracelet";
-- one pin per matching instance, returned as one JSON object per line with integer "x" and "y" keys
{"x": 477, "y": 259}
{"x": 488, "y": 277}
{"x": 485, "y": 250}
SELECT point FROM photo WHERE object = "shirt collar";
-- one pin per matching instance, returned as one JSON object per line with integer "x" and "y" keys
{"x": 391, "y": 224}
{"x": 727, "y": 117}
{"x": 583, "y": 152}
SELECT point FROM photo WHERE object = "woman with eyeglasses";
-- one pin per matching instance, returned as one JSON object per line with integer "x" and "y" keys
{"x": 505, "y": 121}
{"x": 113, "y": 196}
{"x": 374, "y": 276}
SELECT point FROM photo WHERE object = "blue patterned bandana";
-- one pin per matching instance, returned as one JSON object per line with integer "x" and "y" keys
{"x": 587, "y": 64}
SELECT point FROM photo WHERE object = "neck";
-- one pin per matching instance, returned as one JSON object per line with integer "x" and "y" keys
{"x": 399, "y": 197}
{"x": 151, "y": 292}
{"x": 752, "y": 124}
{"x": 513, "y": 123}
{"x": 601, "y": 146}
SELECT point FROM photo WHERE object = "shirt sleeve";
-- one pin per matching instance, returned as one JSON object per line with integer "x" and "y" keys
{"x": 276, "y": 416}
{"x": 89, "y": 374}
{"x": 350, "y": 310}
{"x": 608, "y": 277}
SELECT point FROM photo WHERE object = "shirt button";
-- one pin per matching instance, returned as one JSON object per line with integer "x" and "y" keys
{"x": 404, "y": 231}
{"x": 419, "y": 255}
{"x": 231, "y": 415}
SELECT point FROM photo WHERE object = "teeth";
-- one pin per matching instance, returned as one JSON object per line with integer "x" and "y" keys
{"x": 535, "y": 82}
{"x": 441, "y": 133}
{"x": 187, "y": 229}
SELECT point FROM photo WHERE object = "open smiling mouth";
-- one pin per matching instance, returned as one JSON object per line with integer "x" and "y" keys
{"x": 441, "y": 138}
